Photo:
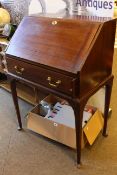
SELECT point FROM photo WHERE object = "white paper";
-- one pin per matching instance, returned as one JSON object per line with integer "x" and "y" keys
{"x": 65, "y": 115}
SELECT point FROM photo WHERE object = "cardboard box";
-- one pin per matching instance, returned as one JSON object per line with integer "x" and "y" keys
{"x": 63, "y": 130}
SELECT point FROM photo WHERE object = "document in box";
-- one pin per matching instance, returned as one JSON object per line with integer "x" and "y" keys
{"x": 64, "y": 114}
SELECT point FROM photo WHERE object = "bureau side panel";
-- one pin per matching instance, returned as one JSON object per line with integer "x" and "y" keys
{"x": 98, "y": 64}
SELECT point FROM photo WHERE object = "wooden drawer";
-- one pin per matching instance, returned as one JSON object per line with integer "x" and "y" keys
{"x": 40, "y": 75}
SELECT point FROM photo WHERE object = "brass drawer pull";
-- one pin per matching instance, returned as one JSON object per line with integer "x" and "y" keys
{"x": 19, "y": 70}
{"x": 56, "y": 83}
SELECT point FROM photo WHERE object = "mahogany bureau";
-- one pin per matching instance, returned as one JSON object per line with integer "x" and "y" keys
{"x": 71, "y": 58}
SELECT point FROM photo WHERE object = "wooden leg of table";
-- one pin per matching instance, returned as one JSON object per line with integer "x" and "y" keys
{"x": 78, "y": 111}
{"x": 108, "y": 90}
{"x": 15, "y": 100}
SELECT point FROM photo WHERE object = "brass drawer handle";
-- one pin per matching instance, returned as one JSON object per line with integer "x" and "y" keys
{"x": 19, "y": 70}
{"x": 56, "y": 83}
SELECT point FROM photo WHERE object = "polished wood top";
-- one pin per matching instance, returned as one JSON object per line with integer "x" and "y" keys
{"x": 58, "y": 43}
{"x": 76, "y": 51}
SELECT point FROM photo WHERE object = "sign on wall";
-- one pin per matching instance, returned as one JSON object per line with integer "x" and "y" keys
{"x": 102, "y": 8}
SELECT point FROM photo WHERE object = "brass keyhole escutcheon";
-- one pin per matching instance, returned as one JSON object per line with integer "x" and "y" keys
{"x": 54, "y": 23}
